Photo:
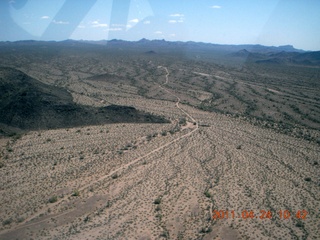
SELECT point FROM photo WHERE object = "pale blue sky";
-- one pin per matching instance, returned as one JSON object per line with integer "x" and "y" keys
{"x": 267, "y": 22}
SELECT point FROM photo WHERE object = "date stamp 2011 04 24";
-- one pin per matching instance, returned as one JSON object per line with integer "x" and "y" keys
{"x": 262, "y": 214}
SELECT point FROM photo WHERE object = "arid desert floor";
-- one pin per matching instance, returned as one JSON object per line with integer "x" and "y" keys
{"x": 158, "y": 181}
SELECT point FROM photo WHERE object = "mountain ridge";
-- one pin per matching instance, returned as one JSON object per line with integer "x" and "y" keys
{"x": 29, "y": 104}
{"x": 254, "y": 53}
{"x": 256, "y": 47}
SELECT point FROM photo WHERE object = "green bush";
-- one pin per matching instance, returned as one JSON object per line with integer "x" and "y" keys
{"x": 76, "y": 193}
{"x": 20, "y": 219}
{"x": 164, "y": 234}
{"x": 307, "y": 179}
{"x": 157, "y": 201}
{"x": 164, "y": 133}
{"x": 53, "y": 199}
{"x": 183, "y": 121}
{"x": 159, "y": 216}
{"x": 171, "y": 131}
{"x": 207, "y": 194}
{"x": 7, "y": 222}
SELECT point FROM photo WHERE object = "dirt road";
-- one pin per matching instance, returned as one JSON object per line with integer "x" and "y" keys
{"x": 195, "y": 127}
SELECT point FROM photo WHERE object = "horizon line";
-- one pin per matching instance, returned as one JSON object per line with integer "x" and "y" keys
{"x": 178, "y": 41}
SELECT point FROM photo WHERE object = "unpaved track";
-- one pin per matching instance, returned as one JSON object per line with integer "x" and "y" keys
{"x": 24, "y": 224}
{"x": 178, "y": 99}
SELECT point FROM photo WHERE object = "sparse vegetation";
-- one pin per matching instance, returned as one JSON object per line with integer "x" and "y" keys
{"x": 235, "y": 160}
{"x": 76, "y": 193}
{"x": 7, "y": 222}
{"x": 149, "y": 137}
{"x": 53, "y": 199}
{"x": 164, "y": 234}
{"x": 206, "y": 230}
{"x": 20, "y": 219}
{"x": 299, "y": 224}
{"x": 183, "y": 121}
{"x": 207, "y": 194}
{"x": 307, "y": 179}
{"x": 114, "y": 176}
{"x": 164, "y": 133}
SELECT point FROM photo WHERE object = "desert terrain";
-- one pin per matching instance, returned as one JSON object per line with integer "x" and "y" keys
{"x": 240, "y": 137}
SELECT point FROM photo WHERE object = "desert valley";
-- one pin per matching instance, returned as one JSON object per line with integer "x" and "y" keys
{"x": 158, "y": 140}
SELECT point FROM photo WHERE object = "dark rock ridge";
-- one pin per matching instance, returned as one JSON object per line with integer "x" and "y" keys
{"x": 29, "y": 104}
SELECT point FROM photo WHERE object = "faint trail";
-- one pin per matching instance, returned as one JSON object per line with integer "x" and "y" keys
{"x": 178, "y": 99}
{"x": 167, "y": 75}
{"x": 20, "y": 226}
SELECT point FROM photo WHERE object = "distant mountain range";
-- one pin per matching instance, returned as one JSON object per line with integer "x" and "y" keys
{"x": 253, "y": 53}
{"x": 283, "y": 57}
{"x": 221, "y": 47}
{"x": 163, "y": 43}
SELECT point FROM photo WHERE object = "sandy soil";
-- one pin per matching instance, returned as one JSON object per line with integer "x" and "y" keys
{"x": 152, "y": 181}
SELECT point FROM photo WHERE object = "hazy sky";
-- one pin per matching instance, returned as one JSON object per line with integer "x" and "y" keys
{"x": 267, "y": 22}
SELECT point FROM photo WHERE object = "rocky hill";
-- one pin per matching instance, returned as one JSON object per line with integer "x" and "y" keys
{"x": 27, "y": 103}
